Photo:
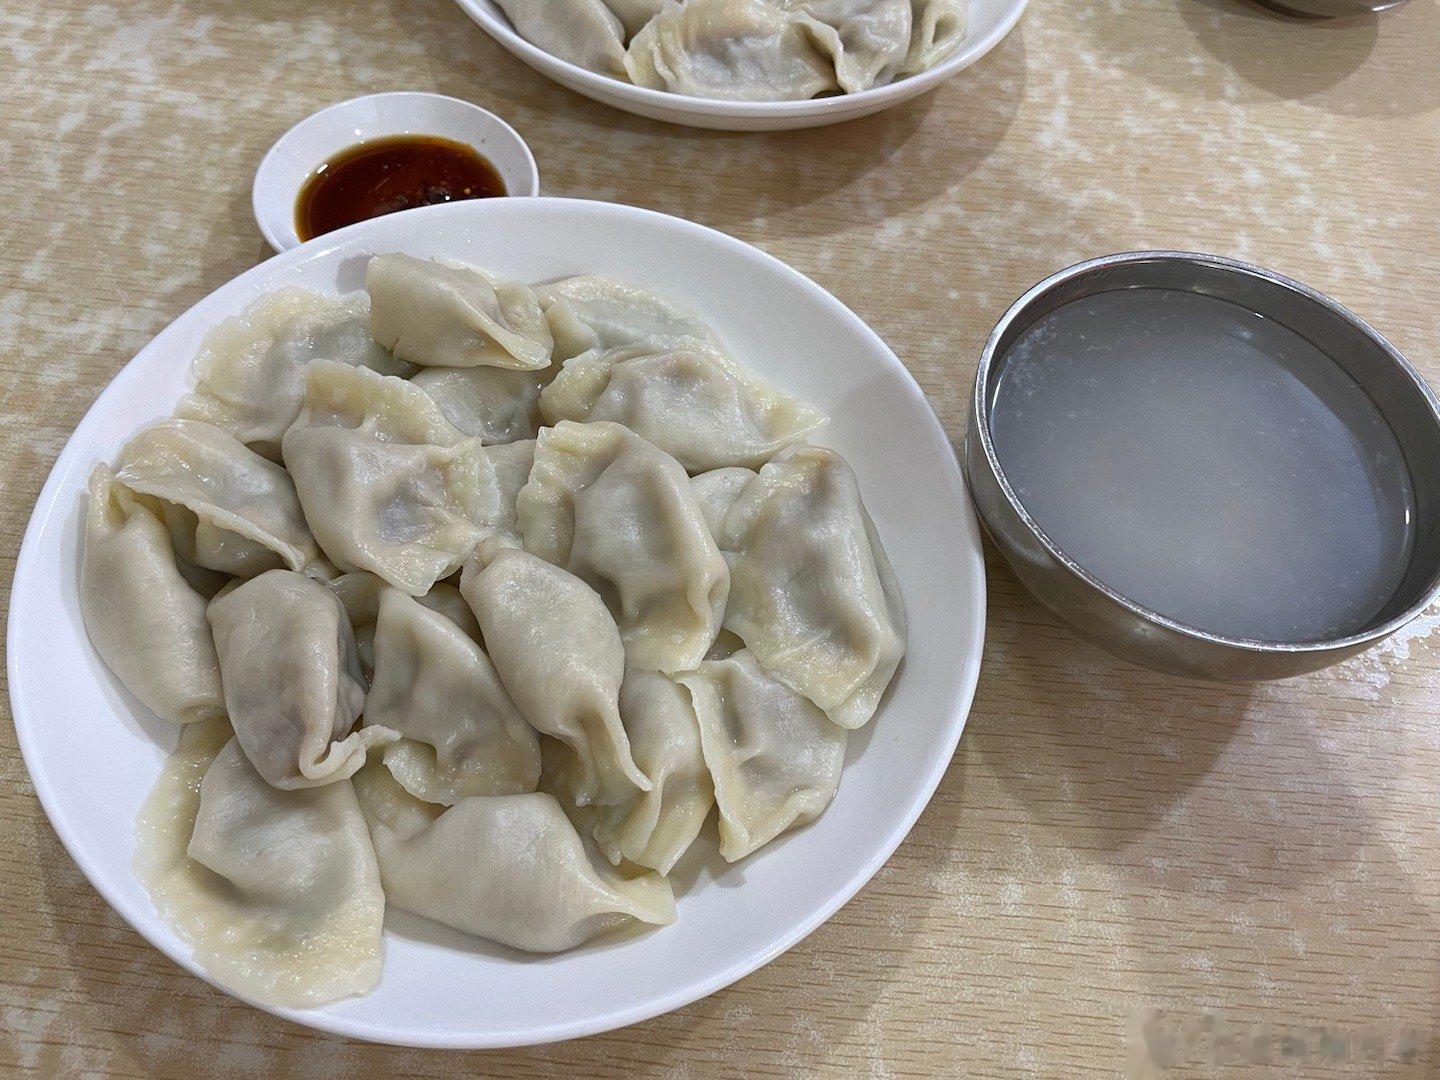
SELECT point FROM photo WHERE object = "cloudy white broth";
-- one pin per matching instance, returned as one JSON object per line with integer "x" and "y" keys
{"x": 1206, "y": 463}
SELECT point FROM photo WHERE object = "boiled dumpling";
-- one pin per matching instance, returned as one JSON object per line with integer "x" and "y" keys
{"x": 250, "y": 373}
{"x": 697, "y": 404}
{"x": 360, "y": 593}
{"x": 246, "y": 515}
{"x": 436, "y": 688}
{"x": 812, "y": 592}
{"x": 387, "y": 483}
{"x": 143, "y": 617}
{"x": 618, "y": 512}
{"x": 938, "y": 28}
{"x": 496, "y": 405}
{"x": 446, "y": 314}
{"x": 293, "y": 684}
{"x": 774, "y": 756}
{"x": 595, "y": 313}
{"x": 867, "y": 40}
{"x": 735, "y": 50}
{"x": 716, "y": 492}
{"x": 653, "y": 828}
{"x": 508, "y": 868}
{"x": 278, "y": 891}
{"x": 512, "y": 463}
{"x": 559, "y": 656}
{"x": 586, "y": 33}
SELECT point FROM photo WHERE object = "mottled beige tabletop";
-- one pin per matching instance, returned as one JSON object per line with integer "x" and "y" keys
{"x": 1120, "y": 871}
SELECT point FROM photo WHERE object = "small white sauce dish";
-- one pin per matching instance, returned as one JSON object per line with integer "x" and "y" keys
{"x": 320, "y": 136}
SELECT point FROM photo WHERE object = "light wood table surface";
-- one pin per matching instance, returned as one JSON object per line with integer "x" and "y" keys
{"x": 1121, "y": 871}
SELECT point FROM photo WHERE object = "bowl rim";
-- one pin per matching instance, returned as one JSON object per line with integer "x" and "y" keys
{"x": 980, "y": 426}
{"x": 262, "y": 197}
{"x": 873, "y": 99}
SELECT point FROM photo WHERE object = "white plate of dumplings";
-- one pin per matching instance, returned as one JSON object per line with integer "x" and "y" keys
{"x": 748, "y": 65}
{"x": 561, "y": 621}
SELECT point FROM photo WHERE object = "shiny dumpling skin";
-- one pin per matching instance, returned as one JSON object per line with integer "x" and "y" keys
{"x": 654, "y": 828}
{"x": 388, "y": 485}
{"x": 937, "y": 30}
{"x": 559, "y": 656}
{"x": 360, "y": 593}
{"x": 507, "y": 868}
{"x": 437, "y": 689}
{"x": 512, "y": 463}
{"x": 775, "y": 758}
{"x": 590, "y": 312}
{"x": 277, "y": 891}
{"x": 697, "y": 404}
{"x": 244, "y": 504}
{"x": 446, "y": 314}
{"x": 812, "y": 593}
{"x": 618, "y": 512}
{"x": 496, "y": 405}
{"x": 734, "y": 50}
{"x": 867, "y": 39}
{"x": 293, "y": 684}
{"x": 716, "y": 491}
{"x": 143, "y": 617}
{"x": 249, "y": 374}
{"x": 586, "y": 33}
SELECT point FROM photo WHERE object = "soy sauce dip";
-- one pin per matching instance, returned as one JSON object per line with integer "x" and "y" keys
{"x": 398, "y": 172}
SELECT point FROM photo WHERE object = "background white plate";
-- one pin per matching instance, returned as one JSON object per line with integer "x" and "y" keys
{"x": 94, "y": 753}
{"x": 988, "y": 21}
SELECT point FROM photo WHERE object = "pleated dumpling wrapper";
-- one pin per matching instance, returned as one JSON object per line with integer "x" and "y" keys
{"x": 250, "y": 373}
{"x": 435, "y": 686}
{"x": 812, "y": 593}
{"x": 775, "y": 758}
{"x": 293, "y": 684}
{"x": 446, "y": 314}
{"x": 653, "y": 828}
{"x": 387, "y": 483}
{"x": 277, "y": 891}
{"x": 559, "y": 655}
{"x": 619, "y": 512}
{"x": 507, "y": 868}
{"x": 144, "y": 618}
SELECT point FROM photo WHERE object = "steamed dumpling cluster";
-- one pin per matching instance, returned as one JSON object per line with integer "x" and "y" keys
{"x": 475, "y": 599}
{"x": 745, "y": 50}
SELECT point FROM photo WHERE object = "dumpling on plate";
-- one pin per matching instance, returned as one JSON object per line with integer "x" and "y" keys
{"x": 278, "y": 891}
{"x": 360, "y": 593}
{"x": 618, "y": 512}
{"x": 388, "y": 484}
{"x": 144, "y": 618}
{"x": 293, "y": 684}
{"x": 653, "y": 828}
{"x": 812, "y": 593}
{"x": 496, "y": 405}
{"x": 240, "y": 514}
{"x": 590, "y": 312}
{"x": 716, "y": 491}
{"x": 697, "y": 404}
{"x": 734, "y": 50}
{"x": 250, "y": 372}
{"x": 867, "y": 40}
{"x": 434, "y": 686}
{"x": 508, "y": 868}
{"x": 447, "y": 314}
{"x": 937, "y": 29}
{"x": 558, "y": 653}
{"x": 775, "y": 758}
{"x": 586, "y": 33}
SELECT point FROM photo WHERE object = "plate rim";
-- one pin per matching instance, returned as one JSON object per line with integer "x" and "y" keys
{"x": 46, "y": 506}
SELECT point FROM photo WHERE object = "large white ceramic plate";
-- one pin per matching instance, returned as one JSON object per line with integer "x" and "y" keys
{"x": 988, "y": 21}
{"x": 94, "y": 753}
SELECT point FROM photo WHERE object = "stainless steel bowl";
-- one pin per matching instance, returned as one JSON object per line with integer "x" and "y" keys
{"x": 1128, "y": 629}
